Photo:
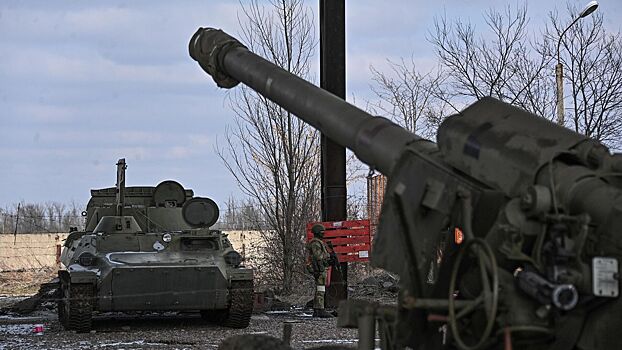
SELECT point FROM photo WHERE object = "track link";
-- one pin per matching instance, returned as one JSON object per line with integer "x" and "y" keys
{"x": 241, "y": 305}
{"x": 75, "y": 307}
{"x": 81, "y": 307}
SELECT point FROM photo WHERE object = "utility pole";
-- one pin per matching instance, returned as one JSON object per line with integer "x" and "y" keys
{"x": 333, "y": 79}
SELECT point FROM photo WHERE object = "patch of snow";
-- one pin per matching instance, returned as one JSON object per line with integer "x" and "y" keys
{"x": 331, "y": 341}
{"x": 136, "y": 342}
{"x": 17, "y": 329}
{"x": 260, "y": 317}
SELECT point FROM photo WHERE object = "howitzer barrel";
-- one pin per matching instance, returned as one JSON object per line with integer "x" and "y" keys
{"x": 375, "y": 140}
{"x": 527, "y": 193}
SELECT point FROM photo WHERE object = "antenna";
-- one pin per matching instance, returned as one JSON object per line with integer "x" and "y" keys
{"x": 121, "y": 166}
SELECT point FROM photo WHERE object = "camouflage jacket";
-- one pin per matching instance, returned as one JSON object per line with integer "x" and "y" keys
{"x": 318, "y": 254}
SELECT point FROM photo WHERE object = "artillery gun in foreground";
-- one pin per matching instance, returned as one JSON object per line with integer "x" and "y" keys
{"x": 152, "y": 249}
{"x": 505, "y": 232}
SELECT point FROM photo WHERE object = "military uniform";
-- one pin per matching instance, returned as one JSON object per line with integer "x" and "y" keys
{"x": 319, "y": 262}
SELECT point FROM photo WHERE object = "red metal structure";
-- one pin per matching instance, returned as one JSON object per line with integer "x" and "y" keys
{"x": 351, "y": 240}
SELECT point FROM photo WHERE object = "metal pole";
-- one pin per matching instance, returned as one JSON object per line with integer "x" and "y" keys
{"x": 16, "y": 224}
{"x": 287, "y": 333}
{"x": 367, "y": 331}
{"x": 333, "y": 163}
{"x": 121, "y": 166}
{"x": 559, "y": 77}
{"x": 559, "y": 69}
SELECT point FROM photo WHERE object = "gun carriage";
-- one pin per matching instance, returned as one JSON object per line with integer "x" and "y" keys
{"x": 507, "y": 230}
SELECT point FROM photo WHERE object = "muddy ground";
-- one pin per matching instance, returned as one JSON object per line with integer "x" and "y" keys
{"x": 173, "y": 330}
{"x": 166, "y": 332}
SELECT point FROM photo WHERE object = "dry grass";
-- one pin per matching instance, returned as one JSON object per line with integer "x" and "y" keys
{"x": 25, "y": 282}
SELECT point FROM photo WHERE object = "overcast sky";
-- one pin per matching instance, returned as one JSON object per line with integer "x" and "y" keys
{"x": 83, "y": 83}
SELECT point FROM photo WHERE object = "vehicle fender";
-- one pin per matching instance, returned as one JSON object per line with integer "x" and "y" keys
{"x": 240, "y": 274}
{"x": 83, "y": 277}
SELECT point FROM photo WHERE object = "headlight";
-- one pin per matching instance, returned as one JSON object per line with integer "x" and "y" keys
{"x": 233, "y": 258}
{"x": 86, "y": 259}
{"x": 167, "y": 237}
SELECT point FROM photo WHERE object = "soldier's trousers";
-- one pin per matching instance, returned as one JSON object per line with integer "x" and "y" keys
{"x": 320, "y": 290}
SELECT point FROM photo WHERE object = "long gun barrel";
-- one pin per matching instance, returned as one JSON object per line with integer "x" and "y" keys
{"x": 376, "y": 141}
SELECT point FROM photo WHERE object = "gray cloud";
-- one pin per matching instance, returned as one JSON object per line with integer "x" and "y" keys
{"x": 85, "y": 83}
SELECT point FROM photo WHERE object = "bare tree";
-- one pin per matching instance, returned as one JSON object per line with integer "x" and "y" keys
{"x": 501, "y": 63}
{"x": 505, "y": 63}
{"x": 592, "y": 59}
{"x": 409, "y": 97}
{"x": 272, "y": 154}
{"x": 55, "y": 214}
{"x": 40, "y": 217}
{"x": 241, "y": 214}
{"x": 72, "y": 217}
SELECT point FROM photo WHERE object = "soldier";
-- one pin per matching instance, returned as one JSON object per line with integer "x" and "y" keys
{"x": 319, "y": 261}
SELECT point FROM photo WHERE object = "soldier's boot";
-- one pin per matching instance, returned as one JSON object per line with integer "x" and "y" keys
{"x": 321, "y": 313}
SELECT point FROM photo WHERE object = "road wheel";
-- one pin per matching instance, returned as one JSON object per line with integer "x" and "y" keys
{"x": 253, "y": 342}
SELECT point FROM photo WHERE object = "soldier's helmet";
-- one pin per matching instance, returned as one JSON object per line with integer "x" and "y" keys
{"x": 317, "y": 230}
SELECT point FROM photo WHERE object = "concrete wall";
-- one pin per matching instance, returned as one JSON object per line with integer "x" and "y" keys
{"x": 26, "y": 251}
{"x": 246, "y": 242}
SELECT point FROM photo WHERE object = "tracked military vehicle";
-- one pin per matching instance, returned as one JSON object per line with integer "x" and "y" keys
{"x": 152, "y": 249}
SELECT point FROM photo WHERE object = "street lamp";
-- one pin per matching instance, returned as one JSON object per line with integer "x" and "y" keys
{"x": 559, "y": 70}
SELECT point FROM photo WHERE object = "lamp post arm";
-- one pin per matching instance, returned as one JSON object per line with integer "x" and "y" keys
{"x": 562, "y": 35}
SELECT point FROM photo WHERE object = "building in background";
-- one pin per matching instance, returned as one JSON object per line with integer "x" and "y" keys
{"x": 376, "y": 186}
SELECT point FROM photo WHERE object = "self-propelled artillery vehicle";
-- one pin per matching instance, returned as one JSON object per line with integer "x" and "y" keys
{"x": 152, "y": 249}
{"x": 506, "y": 233}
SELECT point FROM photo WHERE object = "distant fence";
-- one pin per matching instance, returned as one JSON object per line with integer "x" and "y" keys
{"x": 27, "y": 251}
